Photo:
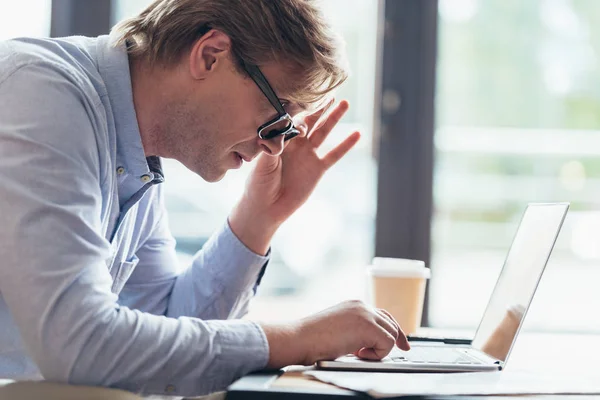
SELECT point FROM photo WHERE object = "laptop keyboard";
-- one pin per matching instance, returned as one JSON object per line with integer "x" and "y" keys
{"x": 433, "y": 355}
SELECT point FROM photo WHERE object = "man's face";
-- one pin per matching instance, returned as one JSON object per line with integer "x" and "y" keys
{"x": 212, "y": 125}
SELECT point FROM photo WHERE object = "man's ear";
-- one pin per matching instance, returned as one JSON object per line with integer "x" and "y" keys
{"x": 208, "y": 53}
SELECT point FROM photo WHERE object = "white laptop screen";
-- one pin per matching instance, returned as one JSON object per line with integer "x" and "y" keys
{"x": 519, "y": 278}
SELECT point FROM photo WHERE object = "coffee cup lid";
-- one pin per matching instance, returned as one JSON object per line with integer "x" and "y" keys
{"x": 399, "y": 267}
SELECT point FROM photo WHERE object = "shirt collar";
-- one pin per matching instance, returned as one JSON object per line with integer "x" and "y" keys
{"x": 113, "y": 65}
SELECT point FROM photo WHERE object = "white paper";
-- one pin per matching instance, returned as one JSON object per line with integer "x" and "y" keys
{"x": 391, "y": 384}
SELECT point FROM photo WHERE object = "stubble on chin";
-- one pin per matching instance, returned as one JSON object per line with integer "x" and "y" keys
{"x": 207, "y": 169}
{"x": 184, "y": 138}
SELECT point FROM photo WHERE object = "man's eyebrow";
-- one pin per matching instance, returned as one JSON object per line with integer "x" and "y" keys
{"x": 301, "y": 106}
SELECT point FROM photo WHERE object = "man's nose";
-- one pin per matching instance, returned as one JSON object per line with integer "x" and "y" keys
{"x": 273, "y": 147}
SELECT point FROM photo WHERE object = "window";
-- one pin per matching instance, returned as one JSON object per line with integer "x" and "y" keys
{"x": 518, "y": 119}
{"x": 127, "y": 8}
{"x": 330, "y": 239}
{"x": 25, "y": 18}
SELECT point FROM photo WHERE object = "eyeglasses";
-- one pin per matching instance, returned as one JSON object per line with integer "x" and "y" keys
{"x": 282, "y": 124}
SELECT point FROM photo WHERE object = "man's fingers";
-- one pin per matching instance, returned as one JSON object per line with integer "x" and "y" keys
{"x": 388, "y": 317}
{"x": 305, "y": 124}
{"x": 383, "y": 344}
{"x": 368, "y": 354}
{"x": 384, "y": 322}
{"x": 312, "y": 119}
{"x": 340, "y": 151}
{"x": 302, "y": 126}
{"x": 401, "y": 340}
{"x": 318, "y": 136}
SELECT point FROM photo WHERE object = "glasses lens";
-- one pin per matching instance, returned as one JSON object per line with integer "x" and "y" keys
{"x": 276, "y": 128}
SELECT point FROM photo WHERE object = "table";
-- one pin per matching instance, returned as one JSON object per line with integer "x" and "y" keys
{"x": 539, "y": 352}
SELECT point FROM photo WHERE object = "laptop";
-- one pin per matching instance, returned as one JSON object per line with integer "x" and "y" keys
{"x": 503, "y": 317}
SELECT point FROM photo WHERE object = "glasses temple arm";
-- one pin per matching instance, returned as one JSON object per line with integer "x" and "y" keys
{"x": 264, "y": 86}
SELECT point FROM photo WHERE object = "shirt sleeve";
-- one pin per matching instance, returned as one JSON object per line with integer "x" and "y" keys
{"x": 219, "y": 283}
{"x": 221, "y": 280}
{"x": 53, "y": 275}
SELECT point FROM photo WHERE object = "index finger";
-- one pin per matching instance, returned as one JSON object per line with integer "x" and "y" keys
{"x": 402, "y": 340}
{"x": 317, "y": 136}
{"x": 311, "y": 119}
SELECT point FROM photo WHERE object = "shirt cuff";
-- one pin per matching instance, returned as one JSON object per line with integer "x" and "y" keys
{"x": 229, "y": 350}
{"x": 242, "y": 343}
{"x": 238, "y": 266}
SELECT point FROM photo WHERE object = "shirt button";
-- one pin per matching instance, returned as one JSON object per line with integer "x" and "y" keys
{"x": 120, "y": 170}
{"x": 145, "y": 178}
{"x": 170, "y": 389}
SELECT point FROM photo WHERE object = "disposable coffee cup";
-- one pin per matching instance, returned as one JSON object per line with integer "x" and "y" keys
{"x": 398, "y": 286}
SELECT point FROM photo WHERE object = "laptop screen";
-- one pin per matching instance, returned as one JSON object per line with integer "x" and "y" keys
{"x": 519, "y": 278}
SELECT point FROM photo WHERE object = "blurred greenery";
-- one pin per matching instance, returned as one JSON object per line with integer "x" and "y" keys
{"x": 496, "y": 68}
{"x": 531, "y": 64}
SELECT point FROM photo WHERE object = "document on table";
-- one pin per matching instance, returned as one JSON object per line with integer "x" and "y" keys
{"x": 391, "y": 384}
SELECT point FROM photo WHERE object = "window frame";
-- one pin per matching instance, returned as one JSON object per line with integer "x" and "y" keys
{"x": 406, "y": 132}
{"x": 75, "y": 17}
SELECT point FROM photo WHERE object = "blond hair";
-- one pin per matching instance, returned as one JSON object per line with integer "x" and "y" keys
{"x": 290, "y": 32}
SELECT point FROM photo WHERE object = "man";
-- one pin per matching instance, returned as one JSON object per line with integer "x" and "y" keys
{"x": 89, "y": 288}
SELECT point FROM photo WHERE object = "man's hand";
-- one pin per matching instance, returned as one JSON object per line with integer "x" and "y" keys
{"x": 279, "y": 185}
{"x": 349, "y": 327}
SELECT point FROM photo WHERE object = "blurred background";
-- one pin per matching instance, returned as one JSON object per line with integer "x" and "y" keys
{"x": 469, "y": 109}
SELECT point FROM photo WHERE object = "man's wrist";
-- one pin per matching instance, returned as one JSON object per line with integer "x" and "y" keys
{"x": 252, "y": 228}
{"x": 284, "y": 343}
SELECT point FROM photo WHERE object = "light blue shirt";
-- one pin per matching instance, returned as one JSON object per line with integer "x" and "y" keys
{"x": 90, "y": 290}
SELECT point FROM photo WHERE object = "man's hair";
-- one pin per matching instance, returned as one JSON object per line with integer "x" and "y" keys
{"x": 291, "y": 33}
